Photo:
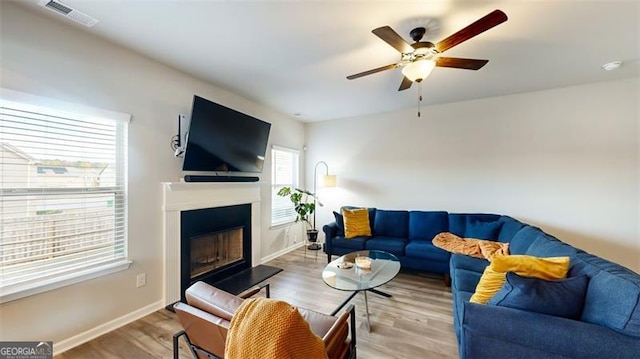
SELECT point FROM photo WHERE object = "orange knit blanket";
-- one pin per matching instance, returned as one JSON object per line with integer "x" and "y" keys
{"x": 268, "y": 328}
{"x": 470, "y": 246}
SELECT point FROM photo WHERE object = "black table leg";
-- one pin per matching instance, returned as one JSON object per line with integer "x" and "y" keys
{"x": 380, "y": 293}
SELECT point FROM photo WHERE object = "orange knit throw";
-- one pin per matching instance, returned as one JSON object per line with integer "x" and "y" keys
{"x": 268, "y": 328}
{"x": 470, "y": 246}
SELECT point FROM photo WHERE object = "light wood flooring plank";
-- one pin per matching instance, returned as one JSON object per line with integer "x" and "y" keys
{"x": 417, "y": 322}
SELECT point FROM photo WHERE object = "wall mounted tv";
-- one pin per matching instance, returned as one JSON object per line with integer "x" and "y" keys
{"x": 225, "y": 140}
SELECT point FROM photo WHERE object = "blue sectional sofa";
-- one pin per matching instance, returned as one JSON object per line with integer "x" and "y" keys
{"x": 609, "y": 322}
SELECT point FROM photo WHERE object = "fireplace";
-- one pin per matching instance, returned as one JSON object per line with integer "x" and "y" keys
{"x": 196, "y": 217}
{"x": 213, "y": 251}
{"x": 216, "y": 243}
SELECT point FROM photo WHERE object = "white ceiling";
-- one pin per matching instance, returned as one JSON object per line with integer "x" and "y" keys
{"x": 294, "y": 56}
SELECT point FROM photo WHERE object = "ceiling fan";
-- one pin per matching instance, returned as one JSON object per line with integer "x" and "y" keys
{"x": 419, "y": 59}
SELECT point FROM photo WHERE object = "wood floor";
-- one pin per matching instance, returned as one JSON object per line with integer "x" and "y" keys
{"x": 417, "y": 322}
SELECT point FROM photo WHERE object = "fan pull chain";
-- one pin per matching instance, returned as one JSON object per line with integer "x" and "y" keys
{"x": 419, "y": 96}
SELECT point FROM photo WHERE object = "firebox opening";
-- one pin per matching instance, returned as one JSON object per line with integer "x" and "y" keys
{"x": 215, "y": 250}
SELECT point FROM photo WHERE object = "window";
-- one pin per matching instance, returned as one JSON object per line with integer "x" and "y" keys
{"x": 284, "y": 173}
{"x": 63, "y": 199}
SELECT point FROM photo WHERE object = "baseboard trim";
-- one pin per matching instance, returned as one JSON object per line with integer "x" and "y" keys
{"x": 281, "y": 252}
{"x": 69, "y": 343}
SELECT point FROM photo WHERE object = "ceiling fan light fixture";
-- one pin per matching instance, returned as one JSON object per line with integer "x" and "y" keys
{"x": 418, "y": 70}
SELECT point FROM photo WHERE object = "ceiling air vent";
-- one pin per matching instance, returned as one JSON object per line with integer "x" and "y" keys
{"x": 69, "y": 13}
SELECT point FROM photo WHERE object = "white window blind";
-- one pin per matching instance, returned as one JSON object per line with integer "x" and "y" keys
{"x": 63, "y": 199}
{"x": 284, "y": 173}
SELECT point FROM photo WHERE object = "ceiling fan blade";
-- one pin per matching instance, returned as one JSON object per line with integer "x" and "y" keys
{"x": 373, "y": 71}
{"x": 458, "y": 63}
{"x": 405, "y": 84}
{"x": 488, "y": 21}
{"x": 392, "y": 38}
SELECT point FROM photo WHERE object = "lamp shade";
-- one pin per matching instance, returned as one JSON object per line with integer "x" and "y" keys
{"x": 328, "y": 181}
{"x": 418, "y": 70}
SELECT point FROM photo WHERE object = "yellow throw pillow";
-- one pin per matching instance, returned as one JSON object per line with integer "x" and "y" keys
{"x": 528, "y": 266}
{"x": 489, "y": 284}
{"x": 495, "y": 274}
{"x": 356, "y": 222}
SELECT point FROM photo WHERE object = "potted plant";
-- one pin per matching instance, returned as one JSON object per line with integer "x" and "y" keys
{"x": 304, "y": 204}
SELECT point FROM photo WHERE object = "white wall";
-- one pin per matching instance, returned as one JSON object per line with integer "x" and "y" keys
{"x": 53, "y": 59}
{"x": 565, "y": 160}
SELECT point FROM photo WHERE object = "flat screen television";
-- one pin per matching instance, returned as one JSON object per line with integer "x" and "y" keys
{"x": 225, "y": 140}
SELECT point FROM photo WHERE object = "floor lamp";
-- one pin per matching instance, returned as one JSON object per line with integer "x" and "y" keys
{"x": 327, "y": 181}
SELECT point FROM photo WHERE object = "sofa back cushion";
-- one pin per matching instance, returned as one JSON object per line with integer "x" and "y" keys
{"x": 524, "y": 238}
{"x": 424, "y": 225}
{"x": 509, "y": 228}
{"x": 482, "y": 230}
{"x": 547, "y": 246}
{"x": 391, "y": 224}
{"x": 339, "y": 224}
{"x": 613, "y": 294}
{"x": 458, "y": 221}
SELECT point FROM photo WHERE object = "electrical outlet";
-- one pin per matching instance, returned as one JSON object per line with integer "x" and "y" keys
{"x": 141, "y": 280}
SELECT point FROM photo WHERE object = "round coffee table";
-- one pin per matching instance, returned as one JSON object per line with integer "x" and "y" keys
{"x": 339, "y": 275}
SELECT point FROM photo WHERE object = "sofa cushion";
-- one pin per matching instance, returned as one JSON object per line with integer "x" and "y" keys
{"x": 547, "y": 246}
{"x": 458, "y": 221}
{"x": 509, "y": 228}
{"x": 356, "y": 222}
{"x": 356, "y": 243}
{"x": 560, "y": 298}
{"x": 466, "y": 280}
{"x": 460, "y": 261}
{"x": 424, "y": 225}
{"x": 426, "y": 250}
{"x": 339, "y": 223}
{"x": 391, "y": 224}
{"x": 391, "y": 245}
{"x": 523, "y": 239}
{"x": 475, "y": 228}
{"x": 613, "y": 294}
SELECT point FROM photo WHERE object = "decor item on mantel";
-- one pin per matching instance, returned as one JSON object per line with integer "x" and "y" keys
{"x": 304, "y": 207}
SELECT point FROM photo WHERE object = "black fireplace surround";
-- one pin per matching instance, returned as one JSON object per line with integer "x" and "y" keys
{"x": 211, "y": 220}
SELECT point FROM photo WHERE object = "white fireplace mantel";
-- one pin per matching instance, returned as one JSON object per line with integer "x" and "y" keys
{"x": 182, "y": 196}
